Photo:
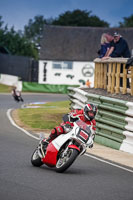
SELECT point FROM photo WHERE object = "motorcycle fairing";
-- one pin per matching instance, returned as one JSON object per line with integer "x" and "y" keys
{"x": 51, "y": 156}
{"x": 60, "y": 140}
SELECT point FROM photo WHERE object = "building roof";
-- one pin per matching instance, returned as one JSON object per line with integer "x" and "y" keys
{"x": 76, "y": 43}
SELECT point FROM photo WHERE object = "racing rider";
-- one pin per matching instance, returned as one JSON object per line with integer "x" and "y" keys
{"x": 87, "y": 114}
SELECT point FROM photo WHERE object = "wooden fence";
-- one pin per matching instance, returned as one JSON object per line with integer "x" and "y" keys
{"x": 112, "y": 75}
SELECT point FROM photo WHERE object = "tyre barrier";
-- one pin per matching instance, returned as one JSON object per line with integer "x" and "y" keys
{"x": 114, "y": 120}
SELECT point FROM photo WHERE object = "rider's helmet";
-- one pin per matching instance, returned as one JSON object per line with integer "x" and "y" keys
{"x": 90, "y": 111}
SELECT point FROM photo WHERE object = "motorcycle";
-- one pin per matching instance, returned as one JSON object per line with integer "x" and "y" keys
{"x": 64, "y": 149}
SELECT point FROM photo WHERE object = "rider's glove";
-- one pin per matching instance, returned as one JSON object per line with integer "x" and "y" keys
{"x": 67, "y": 128}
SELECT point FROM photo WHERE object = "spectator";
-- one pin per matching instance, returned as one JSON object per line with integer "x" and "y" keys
{"x": 110, "y": 38}
{"x": 119, "y": 47}
{"x": 105, "y": 45}
{"x": 88, "y": 83}
{"x": 129, "y": 63}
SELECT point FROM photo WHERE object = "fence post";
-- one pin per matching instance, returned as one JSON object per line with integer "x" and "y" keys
{"x": 96, "y": 75}
{"x": 105, "y": 75}
{"x": 124, "y": 90}
{"x": 102, "y": 75}
{"x": 109, "y": 78}
{"x": 118, "y": 78}
{"x": 113, "y": 78}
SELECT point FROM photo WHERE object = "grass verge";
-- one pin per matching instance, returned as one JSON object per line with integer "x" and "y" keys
{"x": 47, "y": 116}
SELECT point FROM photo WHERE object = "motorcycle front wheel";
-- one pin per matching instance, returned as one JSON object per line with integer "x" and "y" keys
{"x": 65, "y": 161}
{"x": 35, "y": 159}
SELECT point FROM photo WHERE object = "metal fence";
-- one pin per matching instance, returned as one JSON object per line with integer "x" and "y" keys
{"x": 24, "y": 67}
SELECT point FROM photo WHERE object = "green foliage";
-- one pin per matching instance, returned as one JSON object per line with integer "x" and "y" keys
{"x": 33, "y": 31}
{"x": 1, "y": 22}
{"x": 128, "y": 22}
{"x": 16, "y": 42}
{"x": 79, "y": 18}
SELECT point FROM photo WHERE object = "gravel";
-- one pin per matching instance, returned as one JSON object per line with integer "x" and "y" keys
{"x": 102, "y": 92}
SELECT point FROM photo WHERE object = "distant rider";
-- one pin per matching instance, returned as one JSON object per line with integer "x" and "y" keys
{"x": 17, "y": 95}
{"x": 87, "y": 115}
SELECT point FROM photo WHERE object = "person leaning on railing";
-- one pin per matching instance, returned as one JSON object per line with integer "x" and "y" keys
{"x": 119, "y": 48}
{"x": 105, "y": 45}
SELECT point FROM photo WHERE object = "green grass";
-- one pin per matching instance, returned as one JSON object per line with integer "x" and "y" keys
{"x": 46, "y": 117}
{"x": 5, "y": 88}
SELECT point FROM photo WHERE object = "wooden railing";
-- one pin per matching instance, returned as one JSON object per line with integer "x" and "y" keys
{"x": 111, "y": 75}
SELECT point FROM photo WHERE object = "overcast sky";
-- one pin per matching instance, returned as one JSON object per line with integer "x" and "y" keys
{"x": 18, "y": 12}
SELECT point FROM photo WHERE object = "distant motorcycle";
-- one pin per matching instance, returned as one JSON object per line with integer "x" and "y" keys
{"x": 17, "y": 95}
{"x": 63, "y": 150}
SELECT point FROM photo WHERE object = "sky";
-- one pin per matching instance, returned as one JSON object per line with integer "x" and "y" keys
{"x": 18, "y": 12}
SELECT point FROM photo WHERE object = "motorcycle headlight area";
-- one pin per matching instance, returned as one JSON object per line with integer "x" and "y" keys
{"x": 83, "y": 135}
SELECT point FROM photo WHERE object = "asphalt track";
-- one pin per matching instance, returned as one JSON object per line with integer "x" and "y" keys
{"x": 87, "y": 178}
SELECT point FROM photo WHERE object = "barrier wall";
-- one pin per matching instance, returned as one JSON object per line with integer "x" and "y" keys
{"x": 11, "y": 81}
{"x": 49, "y": 88}
{"x": 114, "y": 120}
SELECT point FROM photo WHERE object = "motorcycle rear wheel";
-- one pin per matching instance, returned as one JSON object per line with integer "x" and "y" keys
{"x": 66, "y": 161}
{"x": 35, "y": 159}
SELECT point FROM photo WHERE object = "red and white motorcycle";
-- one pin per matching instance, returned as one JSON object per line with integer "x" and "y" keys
{"x": 64, "y": 149}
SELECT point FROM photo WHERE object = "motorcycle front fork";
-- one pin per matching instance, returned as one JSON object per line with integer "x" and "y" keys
{"x": 40, "y": 151}
{"x": 66, "y": 149}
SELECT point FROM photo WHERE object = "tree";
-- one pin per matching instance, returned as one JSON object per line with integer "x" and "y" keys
{"x": 33, "y": 31}
{"x": 79, "y": 18}
{"x": 1, "y": 22}
{"x": 17, "y": 44}
{"x": 2, "y": 30}
{"x": 128, "y": 22}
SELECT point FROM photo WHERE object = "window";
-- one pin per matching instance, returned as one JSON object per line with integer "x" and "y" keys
{"x": 57, "y": 65}
{"x": 63, "y": 65}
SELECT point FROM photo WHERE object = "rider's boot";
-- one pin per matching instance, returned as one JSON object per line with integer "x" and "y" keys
{"x": 54, "y": 133}
{"x": 45, "y": 143}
